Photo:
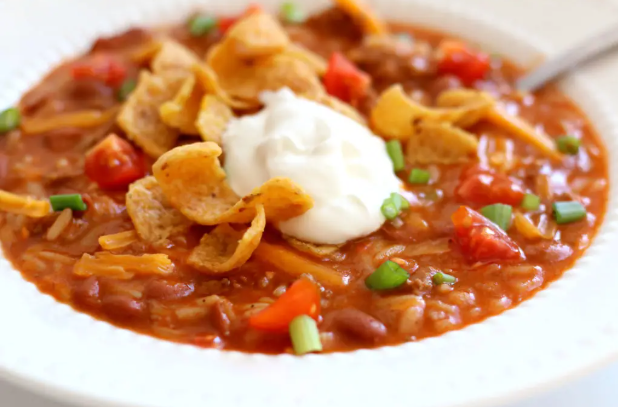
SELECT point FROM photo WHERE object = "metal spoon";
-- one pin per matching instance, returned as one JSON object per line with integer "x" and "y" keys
{"x": 554, "y": 67}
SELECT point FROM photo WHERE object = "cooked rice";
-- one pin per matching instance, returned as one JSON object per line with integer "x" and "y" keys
{"x": 60, "y": 224}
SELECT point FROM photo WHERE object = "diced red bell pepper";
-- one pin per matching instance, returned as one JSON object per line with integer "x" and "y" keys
{"x": 456, "y": 58}
{"x": 225, "y": 23}
{"x": 481, "y": 186}
{"x": 302, "y": 298}
{"x": 481, "y": 240}
{"x": 104, "y": 67}
{"x": 344, "y": 80}
{"x": 114, "y": 163}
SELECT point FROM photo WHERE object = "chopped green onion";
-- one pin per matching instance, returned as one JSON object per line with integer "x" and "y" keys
{"x": 395, "y": 152}
{"x": 568, "y": 211}
{"x": 568, "y": 144}
{"x": 443, "y": 278}
{"x": 499, "y": 214}
{"x": 418, "y": 176}
{"x": 389, "y": 210}
{"x": 126, "y": 89}
{"x": 292, "y": 13}
{"x": 305, "y": 335}
{"x": 9, "y": 119}
{"x": 399, "y": 201}
{"x": 388, "y": 275}
{"x": 531, "y": 202}
{"x": 73, "y": 201}
{"x": 201, "y": 25}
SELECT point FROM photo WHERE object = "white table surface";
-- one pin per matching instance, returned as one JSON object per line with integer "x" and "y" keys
{"x": 599, "y": 389}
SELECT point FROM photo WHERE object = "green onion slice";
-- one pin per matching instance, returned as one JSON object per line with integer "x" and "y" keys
{"x": 389, "y": 210}
{"x": 201, "y": 25}
{"x": 443, "y": 278}
{"x": 568, "y": 144}
{"x": 305, "y": 335}
{"x": 531, "y": 202}
{"x": 568, "y": 211}
{"x": 395, "y": 152}
{"x": 126, "y": 89}
{"x": 399, "y": 201}
{"x": 9, "y": 119}
{"x": 292, "y": 13}
{"x": 73, "y": 201}
{"x": 389, "y": 275}
{"x": 418, "y": 176}
{"x": 499, "y": 214}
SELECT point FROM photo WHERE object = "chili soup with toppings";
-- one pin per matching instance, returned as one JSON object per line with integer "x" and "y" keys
{"x": 294, "y": 183}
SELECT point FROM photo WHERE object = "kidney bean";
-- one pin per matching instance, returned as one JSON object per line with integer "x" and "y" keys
{"x": 165, "y": 290}
{"x": 358, "y": 324}
{"x": 87, "y": 292}
{"x": 220, "y": 318}
{"x": 122, "y": 306}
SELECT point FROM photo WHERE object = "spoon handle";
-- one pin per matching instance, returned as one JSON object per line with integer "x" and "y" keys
{"x": 569, "y": 59}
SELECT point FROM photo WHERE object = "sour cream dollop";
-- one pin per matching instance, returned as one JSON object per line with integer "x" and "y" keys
{"x": 342, "y": 165}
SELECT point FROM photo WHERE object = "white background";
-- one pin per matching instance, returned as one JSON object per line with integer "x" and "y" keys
{"x": 596, "y": 390}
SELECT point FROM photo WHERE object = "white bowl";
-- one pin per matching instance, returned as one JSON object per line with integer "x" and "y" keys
{"x": 564, "y": 331}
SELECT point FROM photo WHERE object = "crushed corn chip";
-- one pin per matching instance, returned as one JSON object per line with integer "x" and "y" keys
{"x": 461, "y": 97}
{"x": 212, "y": 119}
{"x": 245, "y": 81}
{"x": 468, "y": 107}
{"x": 210, "y": 82}
{"x": 153, "y": 217}
{"x": 321, "y": 251}
{"x": 395, "y": 115}
{"x": 312, "y": 59}
{"x": 174, "y": 59}
{"x": 193, "y": 181}
{"x": 181, "y": 112}
{"x": 284, "y": 71}
{"x": 257, "y": 35}
{"x": 337, "y": 105}
{"x": 498, "y": 116}
{"x": 226, "y": 248}
{"x": 140, "y": 118}
{"x": 440, "y": 143}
